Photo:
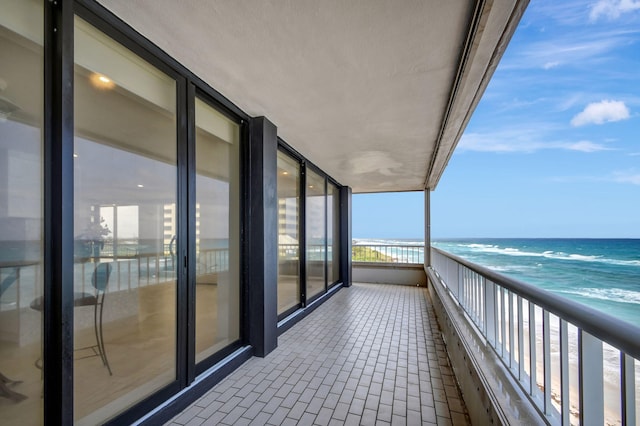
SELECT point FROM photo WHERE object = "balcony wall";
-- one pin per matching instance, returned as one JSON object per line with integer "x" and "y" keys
{"x": 389, "y": 273}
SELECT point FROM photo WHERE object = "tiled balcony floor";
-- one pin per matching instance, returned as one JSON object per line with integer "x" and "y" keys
{"x": 372, "y": 354}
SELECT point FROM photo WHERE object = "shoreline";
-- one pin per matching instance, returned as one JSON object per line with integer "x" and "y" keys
{"x": 610, "y": 370}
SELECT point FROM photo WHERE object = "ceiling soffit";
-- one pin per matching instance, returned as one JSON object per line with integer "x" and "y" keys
{"x": 376, "y": 93}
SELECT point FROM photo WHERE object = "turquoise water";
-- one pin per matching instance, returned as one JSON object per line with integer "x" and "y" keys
{"x": 601, "y": 273}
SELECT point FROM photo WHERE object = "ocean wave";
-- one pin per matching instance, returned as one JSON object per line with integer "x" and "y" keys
{"x": 478, "y": 245}
{"x": 510, "y": 251}
{"x": 608, "y": 294}
{"x": 513, "y": 268}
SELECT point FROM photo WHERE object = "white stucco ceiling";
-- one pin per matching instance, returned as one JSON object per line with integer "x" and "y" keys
{"x": 362, "y": 88}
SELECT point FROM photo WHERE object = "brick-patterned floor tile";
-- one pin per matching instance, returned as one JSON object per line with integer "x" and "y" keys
{"x": 371, "y": 354}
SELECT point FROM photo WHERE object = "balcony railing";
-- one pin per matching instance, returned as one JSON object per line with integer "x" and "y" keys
{"x": 576, "y": 364}
{"x": 385, "y": 253}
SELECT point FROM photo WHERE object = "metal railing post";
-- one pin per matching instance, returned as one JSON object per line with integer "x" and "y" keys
{"x": 546, "y": 354}
{"x": 533, "y": 379}
{"x": 521, "y": 371}
{"x": 484, "y": 295}
{"x": 591, "y": 379}
{"x": 565, "y": 412}
{"x": 490, "y": 312}
{"x": 628, "y": 389}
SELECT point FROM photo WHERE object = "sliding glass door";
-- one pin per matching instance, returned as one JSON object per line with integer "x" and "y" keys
{"x": 217, "y": 229}
{"x": 21, "y": 211}
{"x": 316, "y": 233}
{"x": 126, "y": 252}
{"x": 308, "y": 233}
{"x": 333, "y": 234}
{"x": 288, "y": 233}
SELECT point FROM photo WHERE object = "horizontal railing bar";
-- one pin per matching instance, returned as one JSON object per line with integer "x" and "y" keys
{"x": 614, "y": 331}
{"x": 388, "y": 253}
{"x": 388, "y": 245}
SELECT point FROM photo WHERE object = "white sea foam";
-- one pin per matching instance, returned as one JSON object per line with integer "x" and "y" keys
{"x": 609, "y": 294}
{"x": 481, "y": 246}
{"x": 512, "y": 268}
{"x": 510, "y": 251}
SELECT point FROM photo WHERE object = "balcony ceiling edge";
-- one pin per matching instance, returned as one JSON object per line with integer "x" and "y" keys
{"x": 472, "y": 80}
{"x": 375, "y": 93}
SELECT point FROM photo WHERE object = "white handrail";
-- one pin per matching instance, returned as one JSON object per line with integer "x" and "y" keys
{"x": 557, "y": 350}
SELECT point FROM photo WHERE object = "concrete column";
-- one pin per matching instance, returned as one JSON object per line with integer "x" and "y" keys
{"x": 427, "y": 227}
{"x": 262, "y": 237}
{"x": 345, "y": 235}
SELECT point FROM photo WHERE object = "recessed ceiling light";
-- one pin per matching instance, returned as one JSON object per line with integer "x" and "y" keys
{"x": 75, "y": 155}
{"x": 140, "y": 185}
{"x": 102, "y": 81}
{"x": 285, "y": 173}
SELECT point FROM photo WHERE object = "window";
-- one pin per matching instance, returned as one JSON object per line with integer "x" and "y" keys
{"x": 288, "y": 233}
{"x": 217, "y": 231}
{"x": 316, "y": 233}
{"x": 124, "y": 155}
{"x": 21, "y": 210}
{"x": 333, "y": 234}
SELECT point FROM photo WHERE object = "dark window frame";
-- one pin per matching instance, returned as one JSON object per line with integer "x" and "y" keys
{"x": 58, "y": 131}
{"x": 305, "y": 165}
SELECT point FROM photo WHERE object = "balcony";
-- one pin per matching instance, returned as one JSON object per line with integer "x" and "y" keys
{"x": 376, "y": 353}
{"x": 372, "y": 354}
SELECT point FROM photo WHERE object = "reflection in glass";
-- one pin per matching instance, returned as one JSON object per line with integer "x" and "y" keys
{"x": 333, "y": 234}
{"x": 316, "y": 233}
{"x": 217, "y": 231}
{"x": 288, "y": 234}
{"x": 21, "y": 209}
{"x": 124, "y": 227}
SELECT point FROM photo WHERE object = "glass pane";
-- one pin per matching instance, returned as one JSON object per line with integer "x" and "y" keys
{"x": 21, "y": 207}
{"x": 288, "y": 234}
{"x": 217, "y": 231}
{"x": 125, "y": 177}
{"x": 333, "y": 234}
{"x": 316, "y": 233}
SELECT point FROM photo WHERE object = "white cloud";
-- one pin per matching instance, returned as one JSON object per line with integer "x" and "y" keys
{"x": 627, "y": 177}
{"x": 601, "y": 112}
{"x": 580, "y": 47}
{"x": 584, "y": 146}
{"x": 612, "y": 9}
{"x": 520, "y": 141}
{"x": 624, "y": 177}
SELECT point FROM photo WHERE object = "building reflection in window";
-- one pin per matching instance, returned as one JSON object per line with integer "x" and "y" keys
{"x": 288, "y": 233}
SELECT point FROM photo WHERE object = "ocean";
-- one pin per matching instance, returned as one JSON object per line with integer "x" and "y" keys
{"x": 601, "y": 273}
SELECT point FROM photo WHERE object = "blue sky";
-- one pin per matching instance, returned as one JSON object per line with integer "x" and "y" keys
{"x": 553, "y": 148}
